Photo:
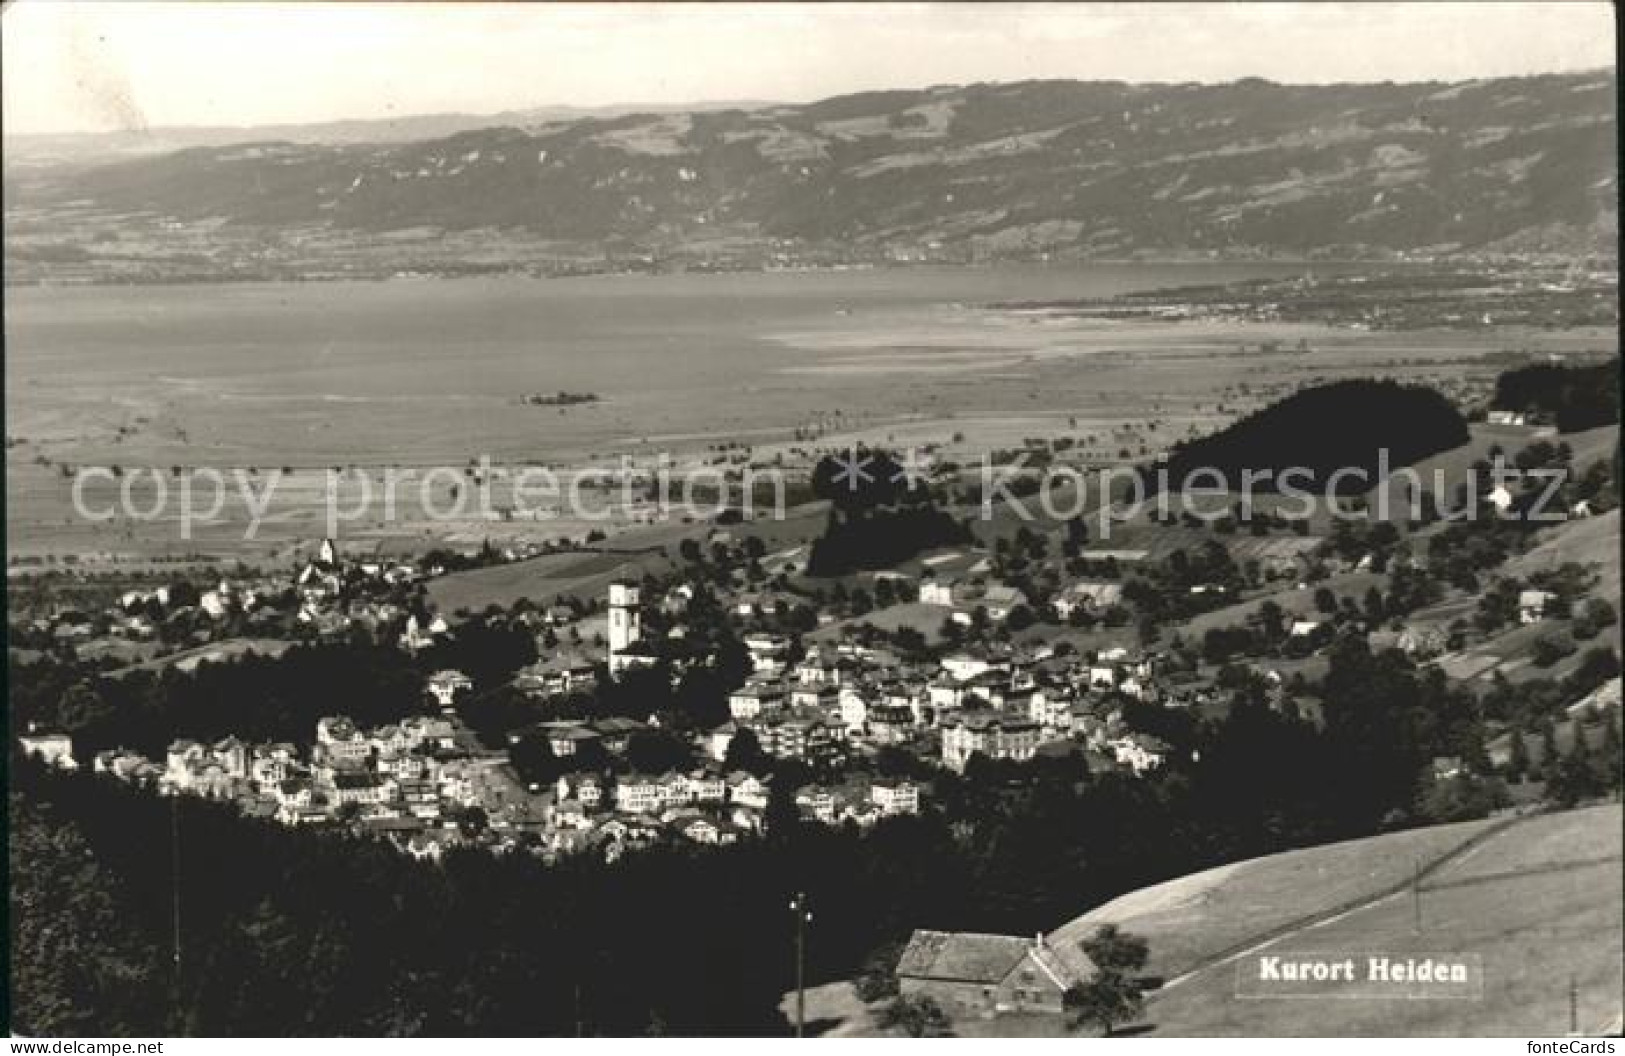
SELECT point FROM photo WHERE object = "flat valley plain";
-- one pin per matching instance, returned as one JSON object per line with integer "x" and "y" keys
{"x": 423, "y": 373}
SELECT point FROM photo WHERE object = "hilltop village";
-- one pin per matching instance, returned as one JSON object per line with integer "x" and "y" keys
{"x": 700, "y": 702}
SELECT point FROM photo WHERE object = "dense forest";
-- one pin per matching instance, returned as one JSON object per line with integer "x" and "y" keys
{"x": 1319, "y": 431}
{"x": 256, "y": 698}
{"x": 880, "y": 515}
{"x": 305, "y": 932}
{"x": 1572, "y": 397}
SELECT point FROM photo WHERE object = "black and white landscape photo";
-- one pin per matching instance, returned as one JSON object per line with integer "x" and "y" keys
{"x": 848, "y": 520}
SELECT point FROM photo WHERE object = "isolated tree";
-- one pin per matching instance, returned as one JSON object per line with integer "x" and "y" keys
{"x": 81, "y": 707}
{"x": 877, "y": 980}
{"x": 1374, "y": 608}
{"x": 1114, "y": 994}
{"x": 1596, "y": 616}
{"x": 1578, "y": 747}
{"x": 1464, "y": 797}
{"x": 1572, "y": 780}
{"x": 1548, "y": 748}
{"x": 1518, "y": 759}
{"x": 1271, "y": 620}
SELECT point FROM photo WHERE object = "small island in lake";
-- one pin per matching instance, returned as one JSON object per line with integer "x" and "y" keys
{"x": 559, "y": 399}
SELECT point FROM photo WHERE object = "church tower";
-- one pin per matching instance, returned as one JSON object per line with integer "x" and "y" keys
{"x": 624, "y": 625}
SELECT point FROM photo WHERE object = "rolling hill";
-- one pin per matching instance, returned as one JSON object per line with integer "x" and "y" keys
{"x": 1537, "y": 899}
{"x": 1039, "y": 170}
{"x": 1592, "y": 541}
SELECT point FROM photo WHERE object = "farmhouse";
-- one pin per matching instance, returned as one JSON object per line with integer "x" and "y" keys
{"x": 964, "y": 666}
{"x": 1001, "y": 600}
{"x": 1087, "y": 596}
{"x": 1532, "y": 605}
{"x": 985, "y": 975}
{"x": 947, "y": 592}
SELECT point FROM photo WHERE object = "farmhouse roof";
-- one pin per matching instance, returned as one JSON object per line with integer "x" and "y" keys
{"x": 976, "y": 958}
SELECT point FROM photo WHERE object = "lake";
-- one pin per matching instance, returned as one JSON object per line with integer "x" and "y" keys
{"x": 341, "y": 371}
{"x": 434, "y": 371}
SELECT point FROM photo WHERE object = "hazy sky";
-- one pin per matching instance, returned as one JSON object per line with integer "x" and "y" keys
{"x": 76, "y": 65}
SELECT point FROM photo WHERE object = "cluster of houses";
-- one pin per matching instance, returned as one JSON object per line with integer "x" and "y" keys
{"x": 415, "y": 768}
{"x": 1000, "y": 702}
{"x": 326, "y": 597}
{"x": 963, "y": 597}
{"x": 820, "y": 704}
{"x": 703, "y": 805}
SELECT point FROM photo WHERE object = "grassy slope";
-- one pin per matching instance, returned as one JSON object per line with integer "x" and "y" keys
{"x": 1295, "y": 603}
{"x": 1592, "y": 541}
{"x": 1452, "y": 467}
{"x": 1196, "y": 917}
{"x": 187, "y": 659}
{"x": 588, "y": 575}
{"x": 1539, "y": 902}
{"x": 1588, "y": 540}
{"x": 1539, "y": 899}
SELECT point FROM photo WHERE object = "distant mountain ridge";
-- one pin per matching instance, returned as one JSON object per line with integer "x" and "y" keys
{"x": 1043, "y": 169}
{"x": 93, "y": 147}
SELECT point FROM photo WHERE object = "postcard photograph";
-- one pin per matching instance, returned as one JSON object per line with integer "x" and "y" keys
{"x": 811, "y": 520}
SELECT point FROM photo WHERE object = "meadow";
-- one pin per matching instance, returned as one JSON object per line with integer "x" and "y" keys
{"x": 1537, "y": 898}
{"x": 1539, "y": 902}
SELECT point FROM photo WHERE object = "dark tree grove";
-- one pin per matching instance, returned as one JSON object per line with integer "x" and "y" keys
{"x": 256, "y": 698}
{"x": 879, "y": 516}
{"x": 1574, "y": 397}
{"x": 1343, "y": 425}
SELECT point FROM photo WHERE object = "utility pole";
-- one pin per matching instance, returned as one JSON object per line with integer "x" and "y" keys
{"x": 175, "y": 876}
{"x": 1574, "y": 1007}
{"x": 798, "y": 906}
{"x": 1416, "y": 897}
